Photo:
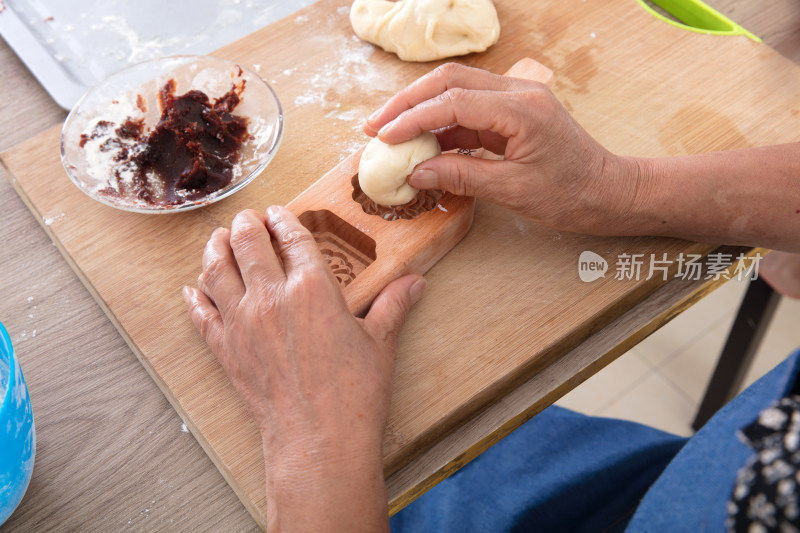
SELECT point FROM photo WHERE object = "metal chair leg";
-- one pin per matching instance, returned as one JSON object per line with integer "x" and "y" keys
{"x": 755, "y": 313}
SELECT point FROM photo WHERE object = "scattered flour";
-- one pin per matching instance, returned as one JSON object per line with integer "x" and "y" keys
{"x": 309, "y": 97}
{"x": 49, "y": 220}
{"x": 350, "y": 115}
{"x": 522, "y": 226}
{"x": 99, "y": 159}
{"x": 184, "y": 429}
{"x": 351, "y": 72}
{"x": 300, "y": 19}
{"x": 334, "y": 83}
{"x": 128, "y": 45}
{"x": 138, "y": 49}
{"x": 345, "y": 147}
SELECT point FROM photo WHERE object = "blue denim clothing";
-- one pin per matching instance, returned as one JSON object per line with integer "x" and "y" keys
{"x": 564, "y": 471}
{"x": 561, "y": 471}
{"x": 692, "y": 492}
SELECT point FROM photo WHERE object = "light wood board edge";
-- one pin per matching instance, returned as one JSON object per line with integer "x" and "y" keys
{"x": 429, "y": 440}
{"x": 526, "y": 68}
{"x": 481, "y": 431}
{"x": 542, "y": 390}
{"x": 527, "y": 371}
{"x": 254, "y": 511}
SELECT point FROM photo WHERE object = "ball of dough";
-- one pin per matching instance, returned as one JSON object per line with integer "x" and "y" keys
{"x": 383, "y": 168}
{"x": 426, "y": 30}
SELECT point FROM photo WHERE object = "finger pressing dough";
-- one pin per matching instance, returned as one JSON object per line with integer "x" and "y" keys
{"x": 425, "y": 30}
{"x": 384, "y": 168}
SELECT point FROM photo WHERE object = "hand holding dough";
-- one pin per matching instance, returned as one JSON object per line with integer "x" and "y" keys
{"x": 383, "y": 168}
{"x": 426, "y": 30}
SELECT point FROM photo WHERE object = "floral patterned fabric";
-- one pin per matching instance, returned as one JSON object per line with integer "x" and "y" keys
{"x": 766, "y": 496}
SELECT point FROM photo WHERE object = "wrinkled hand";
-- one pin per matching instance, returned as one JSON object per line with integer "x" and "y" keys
{"x": 553, "y": 171}
{"x": 316, "y": 379}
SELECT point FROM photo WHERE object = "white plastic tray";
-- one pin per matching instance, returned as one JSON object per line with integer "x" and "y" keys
{"x": 70, "y": 46}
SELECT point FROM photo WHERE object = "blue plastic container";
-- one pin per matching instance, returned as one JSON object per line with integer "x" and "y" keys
{"x": 17, "y": 436}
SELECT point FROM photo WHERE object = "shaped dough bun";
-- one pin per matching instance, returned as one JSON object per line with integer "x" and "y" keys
{"x": 383, "y": 168}
{"x": 425, "y": 30}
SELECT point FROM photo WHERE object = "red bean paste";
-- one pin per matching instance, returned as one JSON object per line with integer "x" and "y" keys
{"x": 189, "y": 154}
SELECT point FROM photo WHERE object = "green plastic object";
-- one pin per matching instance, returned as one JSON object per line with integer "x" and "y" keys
{"x": 694, "y": 15}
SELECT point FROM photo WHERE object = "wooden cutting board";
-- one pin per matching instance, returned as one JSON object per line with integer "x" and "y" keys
{"x": 506, "y": 301}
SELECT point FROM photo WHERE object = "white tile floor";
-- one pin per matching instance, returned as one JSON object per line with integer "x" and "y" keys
{"x": 661, "y": 381}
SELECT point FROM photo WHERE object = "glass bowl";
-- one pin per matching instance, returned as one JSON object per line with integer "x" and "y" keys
{"x": 133, "y": 93}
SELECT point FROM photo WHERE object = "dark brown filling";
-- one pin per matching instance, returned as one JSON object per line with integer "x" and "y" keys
{"x": 191, "y": 151}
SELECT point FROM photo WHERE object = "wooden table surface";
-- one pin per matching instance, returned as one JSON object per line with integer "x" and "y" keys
{"x": 111, "y": 458}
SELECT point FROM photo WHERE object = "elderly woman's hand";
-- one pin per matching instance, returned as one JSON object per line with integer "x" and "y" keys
{"x": 316, "y": 379}
{"x": 553, "y": 171}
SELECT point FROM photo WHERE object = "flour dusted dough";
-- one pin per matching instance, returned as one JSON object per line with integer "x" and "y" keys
{"x": 425, "y": 30}
{"x": 383, "y": 168}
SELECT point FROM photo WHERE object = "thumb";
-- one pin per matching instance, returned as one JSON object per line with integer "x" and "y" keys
{"x": 459, "y": 174}
{"x": 389, "y": 310}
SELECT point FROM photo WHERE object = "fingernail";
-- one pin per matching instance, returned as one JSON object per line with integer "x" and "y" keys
{"x": 187, "y": 294}
{"x": 424, "y": 178}
{"x": 273, "y": 210}
{"x": 374, "y": 115}
{"x": 385, "y": 129}
{"x": 416, "y": 290}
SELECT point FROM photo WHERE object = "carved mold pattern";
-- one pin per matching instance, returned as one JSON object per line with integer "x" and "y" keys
{"x": 422, "y": 203}
{"x": 342, "y": 268}
{"x": 347, "y": 250}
